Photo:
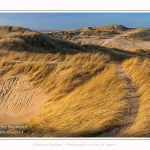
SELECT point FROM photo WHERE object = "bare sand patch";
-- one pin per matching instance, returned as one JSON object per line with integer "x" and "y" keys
{"x": 19, "y": 101}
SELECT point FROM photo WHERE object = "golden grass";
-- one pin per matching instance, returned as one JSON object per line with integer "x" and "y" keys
{"x": 64, "y": 75}
{"x": 86, "y": 110}
{"x": 21, "y": 39}
{"x": 79, "y": 103}
{"x": 86, "y": 95}
{"x": 139, "y": 71}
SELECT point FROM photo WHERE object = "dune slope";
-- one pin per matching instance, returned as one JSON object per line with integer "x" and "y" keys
{"x": 94, "y": 85}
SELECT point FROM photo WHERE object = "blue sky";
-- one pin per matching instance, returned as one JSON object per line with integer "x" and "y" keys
{"x": 66, "y": 21}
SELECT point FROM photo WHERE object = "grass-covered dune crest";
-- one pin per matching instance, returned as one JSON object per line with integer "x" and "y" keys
{"x": 57, "y": 87}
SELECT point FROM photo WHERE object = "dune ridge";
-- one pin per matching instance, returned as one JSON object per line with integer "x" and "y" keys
{"x": 90, "y": 82}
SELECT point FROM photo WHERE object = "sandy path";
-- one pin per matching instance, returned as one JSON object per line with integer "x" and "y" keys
{"x": 132, "y": 97}
{"x": 133, "y": 104}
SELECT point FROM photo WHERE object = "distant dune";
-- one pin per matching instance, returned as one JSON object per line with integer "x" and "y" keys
{"x": 111, "y": 36}
{"x": 90, "y": 82}
{"x": 21, "y": 39}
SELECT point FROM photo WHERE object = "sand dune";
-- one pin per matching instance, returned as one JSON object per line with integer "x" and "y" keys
{"x": 90, "y": 82}
{"x": 111, "y": 36}
{"x": 126, "y": 44}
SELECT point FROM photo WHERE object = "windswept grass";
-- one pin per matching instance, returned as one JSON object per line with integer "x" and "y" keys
{"x": 81, "y": 89}
{"x": 60, "y": 77}
{"x": 84, "y": 111}
{"x": 85, "y": 92}
{"x": 139, "y": 71}
{"x": 21, "y": 39}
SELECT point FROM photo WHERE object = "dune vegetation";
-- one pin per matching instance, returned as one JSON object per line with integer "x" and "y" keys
{"x": 62, "y": 89}
{"x": 139, "y": 70}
